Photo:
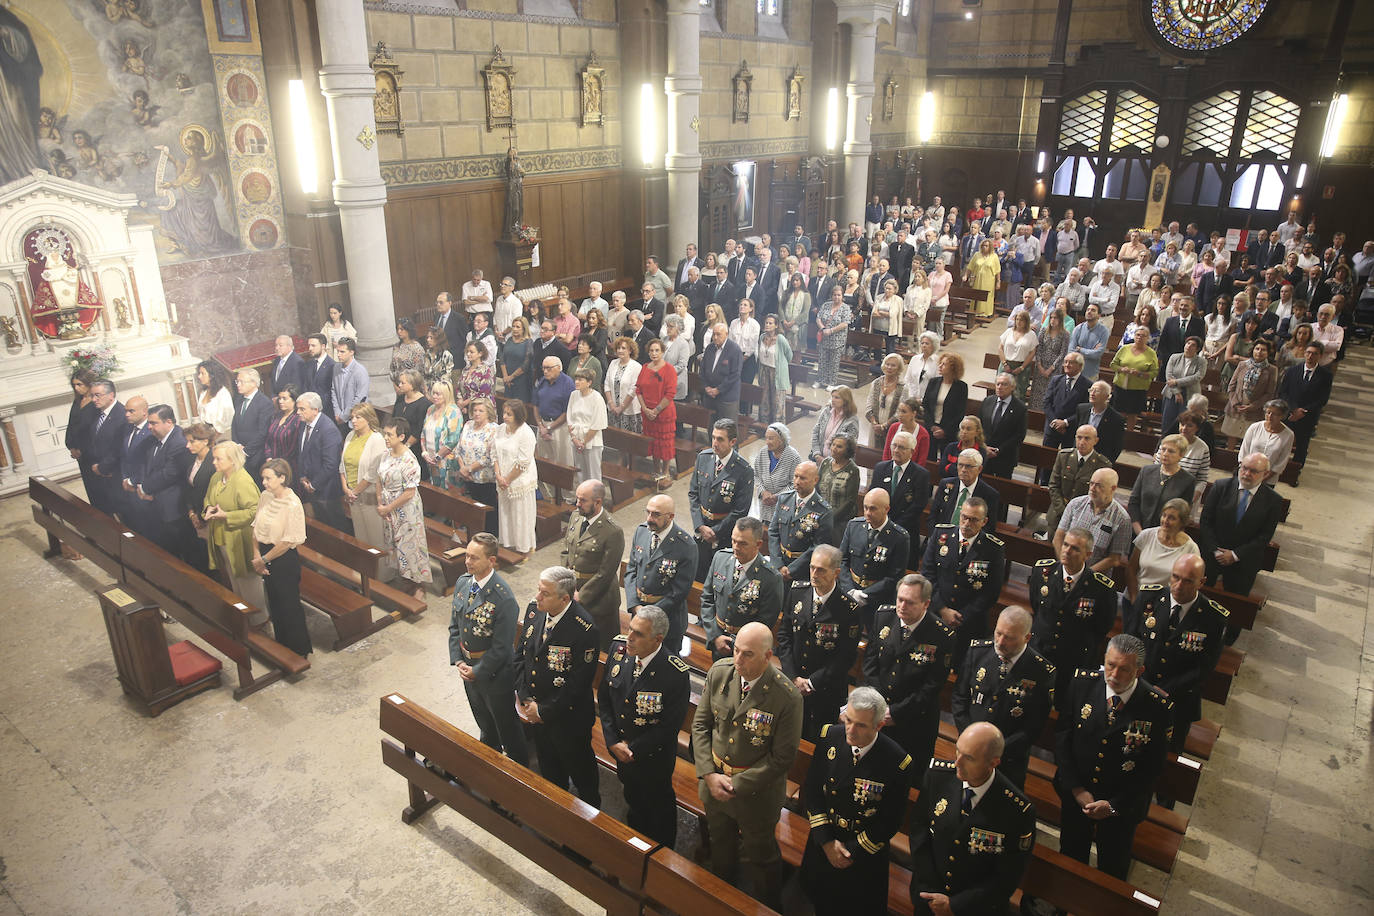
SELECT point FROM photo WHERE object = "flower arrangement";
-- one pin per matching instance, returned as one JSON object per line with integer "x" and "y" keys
{"x": 526, "y": 233}
{"x": 100, "y": 360}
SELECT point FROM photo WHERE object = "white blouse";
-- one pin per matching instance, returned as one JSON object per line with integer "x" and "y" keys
{"x": 913, "y": 381}
{"x": 587, "y": 417}
{"x": 218, "y": 412}
{"x": 1017, "y": 348}
{"x": 619, "y": 384}
{"x": 889, "y": 310}
{"x": 514, "y": 449}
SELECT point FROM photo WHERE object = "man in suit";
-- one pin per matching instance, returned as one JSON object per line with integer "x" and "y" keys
{"x": 855, "y": 795}
{"x": 801, "y": 521}
{"x": 1004, "y": 428}
{"x": 481, "y": 634}
{"x": 639, "y": 332}
{"x": 1311, "y": 288}
{"x": 1074, "y": 607}
{"x": 900, "y": 256}
{"x": 446, "y": 318}
{"x": 1099, "y": 413}
{"x": 744, "y": 737}
{"x": 820, "y": 284}
{"x": 163, "y": 483}
{"x": 642, "y": 701}
{"x": 723, "y": 294}
{"x": 1073, "y": 472}
{"x": 555, "y": 665}
{"x": 1306, "y": 388}
{"x": 1178, "y": 327}
{"x": 698, "y": 292}
{"x": 1217, "y": 283}
{"x": 1110, "y": 752}
{"x": 1007, "y": 683}
{"x": 1183, "y": 632}
{"x": 880, "y": 276}
{"x": 680, "y": 276}
{"x": 317, "y": 468}
{"x": 908, "y": 660}
{"x": 720, "y": 492}
{"x": 132, "y": 455}
{"x": 748, "y": 288}
{"x": 722, "y": 365}
{"x": 1238, "y": 522}
{"x": 592, "y": 548}
{"x": 651, "y": 306}
{"x": 1261, "y": 251}
{"x": 102, "y": 455}
{"x": 873, "y": 555}
{"x": 966, "y": 566}
{"x": 952, "y": 492}
{"x": 740, "y": 588}
{"x": 908, "y": 484}
{"x": 734, "y": 263}
{"x": 770, "y": 278}
{"x": 287, "y": 367}
{"x": 661, "y": 567}
{"x": 969, "y": 808}
{"x": 251, "y": 420}
{"x": 1062, "y": 397}
{"x": 319, "y": 371}
{"x": 818, "y": 639}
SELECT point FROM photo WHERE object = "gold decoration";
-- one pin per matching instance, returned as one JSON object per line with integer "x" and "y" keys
{"x": 696, "y": 124}
{"x": 794, "y": 94}
{"x": 386, "y": 101}
{"x": 889, "y": 98}
{"x": 593, "y": 80}
{"x": 367, "y": 136}
{"x": 744, "y": 85}
{"x": 499, "y": 76}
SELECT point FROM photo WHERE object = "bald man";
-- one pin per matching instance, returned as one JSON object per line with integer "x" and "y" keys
{"x": 744, "y": 737}
{"x": 287, "y": 367}
{"x": 661, "y": 567}
{"x": 873, "y": 555}
{"x": 132, "y": 456}
{"x": 1073, "y": 471}
{"x": 592, "y": 548}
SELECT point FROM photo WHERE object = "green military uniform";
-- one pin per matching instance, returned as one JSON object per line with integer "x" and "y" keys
{"x": 592, "y": 549}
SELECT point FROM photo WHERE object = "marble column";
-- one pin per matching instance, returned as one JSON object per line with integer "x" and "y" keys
{"x": 348, "y": 86}
{"x": 683, "y": 158}
{"x": 862, "y": 19}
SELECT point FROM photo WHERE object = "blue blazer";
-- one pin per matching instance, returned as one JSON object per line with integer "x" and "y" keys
{"x": 319, "y": 460}
{"x": 321, "y": 381}
{"x": 724, "y": 374}
{"x": 1061, "y": 400}
{"x": 250, "y": 429}
{"x": 132, "y": 451}
{"x": 164, "y": 475}
{"x": 105, "y": 443}
{"x": 293, "y": 373}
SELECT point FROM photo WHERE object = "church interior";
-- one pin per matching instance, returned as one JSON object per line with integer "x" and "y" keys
{"x": 182, "y": 182}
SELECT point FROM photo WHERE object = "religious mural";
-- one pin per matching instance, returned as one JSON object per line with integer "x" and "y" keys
{"x": 122, "y": 95}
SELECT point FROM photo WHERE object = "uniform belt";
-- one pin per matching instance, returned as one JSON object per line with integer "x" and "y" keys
{"x": 472, "y": 656}
{"x": 727, "y": 628}
{"x": 725, "y": 767}
{"x": 790, "y": 554}
{"x": 645, "y": 597}
{"x": 713, "y": 516}
{"x": 861, "y": 581}
{"x": 583, "y": 577}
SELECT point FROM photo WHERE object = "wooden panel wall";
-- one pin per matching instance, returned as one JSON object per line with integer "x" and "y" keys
{"x": 437, "y": 234}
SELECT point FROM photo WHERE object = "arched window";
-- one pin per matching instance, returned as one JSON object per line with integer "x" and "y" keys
{"x": 1236, "y": 150}
{"x": 1105, "y": 140}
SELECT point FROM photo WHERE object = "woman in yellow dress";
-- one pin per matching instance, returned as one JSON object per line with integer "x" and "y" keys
{"x": 982, "y": 273}
{"x": 231, "y": 504}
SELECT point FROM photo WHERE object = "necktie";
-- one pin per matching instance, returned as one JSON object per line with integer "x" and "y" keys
{"x": 101, "y": 422}
{"x": 959, "y": 504}
{"x": 639, "y": 667}
{"x": 156, "y": 448}
{"x": 857, "y": 752}
{"x": 243, "y": 408}
{"x": 739, "y": 571}
{"x": 305, "y": 440}
{"x": 720, "y": 465}
{"x": 1082, "y": 459}
{"x": 967, "y": 806}
{"x": 583, "y": 530}
{"x": 280, "y": 363}
{"x": 1175, "y": 616}
{"x": 1113, "y": 704}
{"x": 963, "y": 550}
{"x": 1242, "y": 504}
{"x": 653, "y": 542}
{"x": 906, "y": 631}
{"x": 896, "y": 478}
{"x": 997, "y": 414}
{"x": 743, "y": 687}
{"x": 1307, "y": 376}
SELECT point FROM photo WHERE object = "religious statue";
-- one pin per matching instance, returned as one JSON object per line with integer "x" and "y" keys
{"x": 122, "y": 316}
{"x": 515, "y": 193}
{"x": 10, "y": 331}
{"x": 64, "y": 306}
{"x": 20, "y": 70}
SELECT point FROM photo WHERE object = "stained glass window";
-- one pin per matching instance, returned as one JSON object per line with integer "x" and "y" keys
{"x": 1271, "y": 125}
{"x": 1211, "y": 123}
{"x": 1201, "y": 25}
{"x": 1133, "y": 122}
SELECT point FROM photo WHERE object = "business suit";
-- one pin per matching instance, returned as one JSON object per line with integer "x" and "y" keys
{"x": 698, "y": 294}
{"x": 1070, "y": 624}
{"x": 875, "y": 285}
{"x": 452, "y": 324}
{"x": 680, "y": 275}
{"x": 646, "y": 713}
{"x": 481, "y": 634}
{"x": 745, "y": 290}
{"x": 103, "y": 457}
{"x": 725, "y": 295}
{"x": 133, "y": 453}
{"x": 873, "y": 561}
{"x": 734, "y": 270}
{"x": 1005, "y": 435}
{"x": 947, "y": 496}
{"x": 819, "y": 641}
{"x": 1261, "y": 255}
{"x": 1152, "y": 491}
{"x": 1069, "y": 479}
{"x": 1117, "y": 757}
{"x": 1018, "y": 701}
{"x": 908, "y": 499}
{"x": 1111, "y": 429}
{"x": 967, "y": 580}
{"x": 290, "y": 371}
{"x": 641, "y": 339}
{"x": 718, "y": 498}
{"x": 900, "y": 256}
{"x": 769, "y": 279}
{"x": 251, "y": 422}
{"x": 1308, "y": 394}
{"x": 819, "y": 285}
{"x": 1180, "y": 654}
{"x": 319, "y": 378}
{"x": 164, "y": 479}
{"x": 1062, "y": 399}
{"x": 798, "y": 525}
{"x": 976, "y": 859}
{"x": 727, "y": 603}
{"x": 653, "y": 310}
{"x": 948, "y": 419}
{"x": 721, "y": 367}
{"x": 319, "y": 464}
{"x": 1247, "y": 536}
{"x": 662, "y": 575}
{"x": 1209, "y": 287}
{"x": 555, "y": 666}
{"x": 910, "y": 671}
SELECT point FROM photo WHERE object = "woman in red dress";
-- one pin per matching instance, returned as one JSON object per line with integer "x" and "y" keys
{"x": 655, "y": 389}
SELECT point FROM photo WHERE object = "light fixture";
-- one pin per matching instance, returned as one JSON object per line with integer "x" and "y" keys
{"x": 968, "y": 14}
{"x": 925, "y": 120}
{"x": 832, "y": 119}
{"x": 1334, "y": 117}
{"x": 648, "y": 128}
{"x": 1040, "y": 163}
{"x": 304, "y": 138}
{"x": 1302, "y": 175}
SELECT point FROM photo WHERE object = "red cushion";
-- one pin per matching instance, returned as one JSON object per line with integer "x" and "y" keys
{"x": 190, "y": 663}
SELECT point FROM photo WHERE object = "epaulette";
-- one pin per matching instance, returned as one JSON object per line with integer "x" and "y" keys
{"x": 996, "y": 540}
{"x": 944, "y": 626}
{"x": 620, "y": 637}
{"x": 1159, "y": 695}
{"x": 1048, "y": 561}
{"x": 1019, "y": 799}
{"x": 825, "y": 730}
{"x": 586, "y": 624}
{"x": 1049, "y": 665}
{"x": 942, "y": 765}
{"x": 678, "y": 663}
{"x": 947, "y": 525}
{"x": 1152, "y": 588}
{"x": 906, "y": 762}
{"x": 1104, "y": 579}
{"x": 1093, "y": 673}
{"x": 979, "y": 643}
{"x": 1218, "y": 606}
{"x": 801, "y": 583}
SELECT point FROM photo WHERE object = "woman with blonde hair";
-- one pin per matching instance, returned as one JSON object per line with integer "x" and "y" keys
{"x": 886, "y": 393}
{"x": 715, "y": 315}
{"x": 586, "y": 420}
{"x": 840, "y": 417}
{"x": 916, "y": 302}
{"x": 622, "y": 377}
{"x": 794, "y": 311}
{"x": 439, "y": 437}
{"x": 1158, "y": 547}
{"x": 516, "y": 478}
{"x": 476, "y": 453}
{"x": 358, "y": 462}
{"x": 231, "y": 504}
{"x": 982, "y": 273}
{"x": 516, "y": 379}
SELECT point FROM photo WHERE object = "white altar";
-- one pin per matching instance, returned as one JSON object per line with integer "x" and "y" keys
{"x": 115, "y": 260}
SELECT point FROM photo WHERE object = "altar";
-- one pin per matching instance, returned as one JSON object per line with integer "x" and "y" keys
{"x": 77, "y": 281}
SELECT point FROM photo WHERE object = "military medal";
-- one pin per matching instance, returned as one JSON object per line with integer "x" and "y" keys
{"x": 940, "y": 807}
{"x": 1127, "y": 766}
{"x": 1087, "y": 710}
{"x": 615, "y": 670}
{"x": 944, "y": 550}
{"x": 882, "y": 634}
{"x": 558, "y": 682}
{"x": 529, "y": 631}
{"x": 830, "y": 754}
{"x": 798, "y": 608}
{"x": 982, "y": 673}
{"x": 1017, "y": 712}
{"x": 1150, "y": 621}
{"x": 1044, "y": 590}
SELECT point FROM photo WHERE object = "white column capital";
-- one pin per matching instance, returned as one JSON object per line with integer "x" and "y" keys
{"x": 864, "y": 14}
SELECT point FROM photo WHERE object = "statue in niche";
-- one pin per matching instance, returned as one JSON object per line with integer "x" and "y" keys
{"x": 515, "y": 193}
{"x": 743, "y": 82}
{"x": 10, "y": 331}
{"x": 64, "y": 306}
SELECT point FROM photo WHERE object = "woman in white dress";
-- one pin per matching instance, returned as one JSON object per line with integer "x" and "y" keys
{"x": 216, "y": 403}
{"x": 516, "y": 478}
{"x": 586, "y": 420}
{"x": 916, "y": 303}
{"x": 359, "y": 462}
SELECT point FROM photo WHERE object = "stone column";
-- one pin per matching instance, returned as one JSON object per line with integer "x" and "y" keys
{"x": 682, "y": 161}
{"x": 862, "y": 19}
{"x": 348, "y": 86}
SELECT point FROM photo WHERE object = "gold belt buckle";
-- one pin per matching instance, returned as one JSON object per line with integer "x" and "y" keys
{"x": 861, "y": 581}
{"x": 790, "y": 554}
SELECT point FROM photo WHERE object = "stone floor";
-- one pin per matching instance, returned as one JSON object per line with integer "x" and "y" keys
{"x": 280, "y": 803}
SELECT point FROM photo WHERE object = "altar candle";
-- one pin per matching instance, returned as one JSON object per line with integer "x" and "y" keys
{"x": 173, "y": 307}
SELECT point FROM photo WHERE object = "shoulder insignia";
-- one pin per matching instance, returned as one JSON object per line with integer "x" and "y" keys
{"x": 979, "y": 643}
{"x": 995, "y": 539}
{"x": 1090, "y": 673}
{"x": 1144, "y": 588}
{"x": 586, "y": 624}
{"x": 620, "y": 637}
{"x": 1048, "y": 561}
{"x": 906, "y": 762}
{"x": 1104, "y": 579}
{"x": 825, "y": 730}
{"x": 1049, "y": 665}
{"x": 946, "y": 526}
{"x": 942, "y": 765}
{"x": 943, "y": 626}
{"x": 801, "y": 583}
{"x": 1218, "y": 607}
{"x": 678, "y": 663}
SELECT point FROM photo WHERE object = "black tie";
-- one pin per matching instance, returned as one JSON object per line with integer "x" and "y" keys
{"x": 653, "y": 543}
{"x": 997, "y": 414}
{"x": 1113, "y": 704}
{"x": 967, "y": 806}
{"x": 583, "y": 530}
{"x": 857, "y": 752}
{"x": 1307, "y": 376}
{"x": 1175, "y": 616}
{"x": 306, "y": 441}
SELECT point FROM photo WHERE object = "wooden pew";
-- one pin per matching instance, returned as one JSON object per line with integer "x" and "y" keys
{"x": 676, "y": 884}
{"x": 622, "y": 476}
{"x": 798, "y": 374}
{"x": 442, "y": 537}
{"x": 346, "y": 558}
{"x": 77, "y": 523}
{"x": 550, "y": 514}
{"x": 695, "y": 421}
{"x": 339, "y": 577}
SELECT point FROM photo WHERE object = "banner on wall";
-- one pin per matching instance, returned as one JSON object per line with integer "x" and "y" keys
{"x": 1159, "y": 193}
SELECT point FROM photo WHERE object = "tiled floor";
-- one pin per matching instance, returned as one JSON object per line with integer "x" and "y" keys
{"x": 280, "y": 803}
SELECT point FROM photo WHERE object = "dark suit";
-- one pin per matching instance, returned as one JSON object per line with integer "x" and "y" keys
{"x": 722, "y": 373}
{"x": 251, "y": 421}
{"x": 1178, "y": 656}
{"x": 698, "y": 295}
{"x": 1061, "y": 403}
{"x": 1070, "y": 625}
{"x": 724, "y": 295}
{"x": 452, "y": 323}
{"x": 319, "y": 378}
{"x": 751, "y": 291}
{"x": 908, "y": 500}
{"x": 1006, "y": 435}
{"x": 680, "y": 275}
{"x": 900, "y": 256}
{"x": 1115, "y": 757}
{"x": 106, "y": 441}
{"x": 734, "y": 269}
{"x": 653, "y": 310}
{"x": 292, "y": 372}
{"x": 1209, "y": 287}
{"x": 133, "y": 453}
{"x": 795, "y": 531}
{"x": 1261, "y": 255}
{"x": 910, "y": 671}
{"x": 641, "y": 339}
{"x": 1151, "y": 492}
{"x": 819, "y": 285}
{"x": 767, "y": 293}
{"x": 164, "y": 479}
{"x": 319, "y": 464}
{"x": 947, "y": 495}
{"x": 555, "y": 668}
{"x": 1309, "y": 395}
{"x": 956, "y": 402}
{"x": 1247, "y": 537}
{"x": 978, "y": 859}
{"x": 1111, "y": 429}
{"x": 1018, "y": 702}
{"x": 969, "y": 583}
{"x": 1174, "y": 335}
{"x": 718, "y": 499}
{"x": 820, "y": 644}
{"x": 875, "y": 285}
{"x": 646, "y": 713}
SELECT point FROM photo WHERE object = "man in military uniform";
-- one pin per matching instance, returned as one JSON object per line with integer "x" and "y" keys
{"x": 855, "y": 795}
{"x": 1009, "y": 684}
{"x": 908, "y": 484}
{"x": 1073, "y": 472}
{"x": 873, "y": 556}
{"x": 721, "y": 490}
{"x": 801, "y": 520}
{"x": 818, "y": 640}
{"x": 908, "y": 660}
{"x": 1184, "y": 632}
{"x": 1074, "y": 608}
{"x": 972, "y": 832}
{"x": 740, "y": 587}
{"x": 643, "y": 699}
{"x": 481, "y": 634}
{"x": 966, "y": 564}
{"x": 1114, "y": 735}
{"x": 744, "y": 737}
{"x": 592, "y": 548}
{"x": 662, "y": 564}
{"x": 555, "y": 666}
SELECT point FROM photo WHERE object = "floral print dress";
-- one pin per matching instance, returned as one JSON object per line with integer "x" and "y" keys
{"x": 405, "y": 527}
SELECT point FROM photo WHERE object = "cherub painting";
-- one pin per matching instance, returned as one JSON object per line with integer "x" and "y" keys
{"x": 50, "y": 125}
{"x": 119, "y": 10}
{"x": 89, "y": 156}
{"x": 138, "y": 61}
{"x": 143, "y": 113}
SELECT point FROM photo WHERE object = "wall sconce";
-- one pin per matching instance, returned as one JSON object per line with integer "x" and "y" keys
{"x": 1334, "y": 118}
{"x": 832, "y": 119}
{"x": 1040, "y": 163}
{"x": 648, "y": 124}
{"x": 304, "y": 138}
{"x": 1302, "y": 176}
{"x": 925, "y": 118}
